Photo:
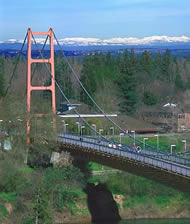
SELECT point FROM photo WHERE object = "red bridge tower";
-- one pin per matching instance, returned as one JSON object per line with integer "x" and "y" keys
{"x": 30, "y": 87}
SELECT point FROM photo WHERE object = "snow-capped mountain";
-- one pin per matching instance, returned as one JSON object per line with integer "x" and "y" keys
{"x": 82, "y": 41}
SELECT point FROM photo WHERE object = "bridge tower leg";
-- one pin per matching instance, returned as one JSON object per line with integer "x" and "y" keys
{"x": 30, "y": 87}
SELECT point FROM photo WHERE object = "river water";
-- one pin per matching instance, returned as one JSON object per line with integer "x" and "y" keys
{"x": 151, "y": 221}
{"x": 168, "y": 221}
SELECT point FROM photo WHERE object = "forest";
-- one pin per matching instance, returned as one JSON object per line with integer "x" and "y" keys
{"x": 127, "y": 83}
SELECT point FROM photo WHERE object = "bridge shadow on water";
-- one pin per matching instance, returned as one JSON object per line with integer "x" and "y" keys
{"x": 101, "y": 204}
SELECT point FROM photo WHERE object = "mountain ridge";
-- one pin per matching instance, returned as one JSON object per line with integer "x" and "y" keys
{"x": 90, "y": 41}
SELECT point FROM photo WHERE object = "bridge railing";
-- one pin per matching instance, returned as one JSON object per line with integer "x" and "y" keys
{"x": 99, "y": 142}
{"x": 128, "y": 153}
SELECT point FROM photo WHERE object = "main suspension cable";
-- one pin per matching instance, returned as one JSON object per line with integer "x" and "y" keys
{"x": 85, "y": 90}
{"x": 87, "y": 93}
{"x": 16, "y": 64}
{"x": 57, "y": 84}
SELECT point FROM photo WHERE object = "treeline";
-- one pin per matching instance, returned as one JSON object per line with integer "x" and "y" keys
{"x": 134, "y": 77}
{"x": 131, "y": 80}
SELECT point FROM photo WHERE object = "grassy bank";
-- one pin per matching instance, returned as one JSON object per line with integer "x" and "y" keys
{"x": 141, "y": 198}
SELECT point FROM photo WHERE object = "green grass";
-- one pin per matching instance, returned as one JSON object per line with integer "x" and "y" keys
{"x": 27, "y": 169}
{"x": 163, "y": 202}
{"x": 3, "y": 212}
{"x": 93, "y": 179}
{"x": 98, "y": 167}
{"x": 132, "y": 202}
{"x": 78, "y": 193}
{"x": 95, "y": 166}
{"x": 139, "y": 192}
{"x": 165, "y": 142}
{"x": 79, "y": 210}
{"x": 7, "y": 197}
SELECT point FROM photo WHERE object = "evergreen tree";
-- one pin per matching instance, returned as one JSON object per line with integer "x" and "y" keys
{"x": 147, "y": 62}
{"x": 158, "y": 66}
{"x": 179, "y": 82}
{"x": 166, "y": 65}
{"x": 133, "y": 60}
{"x": 127, "y": 84}
{"x": 88, "y": 78}
{"x": 149, "y": 98}
{"x": 2, "y": 77}
{"x": 63, "y": 77}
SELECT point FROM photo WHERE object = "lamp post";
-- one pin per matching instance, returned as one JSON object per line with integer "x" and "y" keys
{"x": 81, "y": 127}
{"x": 65, "y": 128}
{"x": 120, "y": 134}
{"x": 113, "y": 131}
{"x": 1, "y": 142}
{"x": 100, "y": 130}
{"x": 133, "y": 137}
{"x": 0, "y": 125}
{"x": 63, "y": 122}
{"x": 171, "y": 149}
{"x": 78, "y": 125}
{"x": 157, "y": 139}
{"x": 185, "y": 146}
{"x": 94, "y": 125}
{"x": 144, "y": 139}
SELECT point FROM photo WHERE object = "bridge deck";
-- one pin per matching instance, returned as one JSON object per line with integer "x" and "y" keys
{"x": 162, "y": 169}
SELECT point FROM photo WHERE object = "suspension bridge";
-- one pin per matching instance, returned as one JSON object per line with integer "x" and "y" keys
{"x": 134, "y": 157}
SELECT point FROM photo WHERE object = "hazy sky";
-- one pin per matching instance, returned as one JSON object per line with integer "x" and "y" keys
{"x": 95, "y": 18}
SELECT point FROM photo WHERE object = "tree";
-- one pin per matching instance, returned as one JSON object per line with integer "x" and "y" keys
{"x": 179, "y": 82}
{"x": 147, "y": 62}
{"x": 167, "y": 63}
{"x": 2, "y": 77}
{"x": 149, "y": 98}
{"x": 63, "y": 78}
{"x": 127, "y": 84}
{"x": 88, "y": 78}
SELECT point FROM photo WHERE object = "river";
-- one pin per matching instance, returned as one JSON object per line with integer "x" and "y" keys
{"x": 165, "y": 221}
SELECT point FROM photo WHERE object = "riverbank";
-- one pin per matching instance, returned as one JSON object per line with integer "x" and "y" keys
{"x": 123, "y": 195}
{"x": 129, "y": 209}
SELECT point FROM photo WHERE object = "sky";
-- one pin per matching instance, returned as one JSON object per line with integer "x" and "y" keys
{"x": 95, "y": 18}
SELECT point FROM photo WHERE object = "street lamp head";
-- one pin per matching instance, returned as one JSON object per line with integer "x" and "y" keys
{"x": 133, "y": 131}
{"x": 173, "y": 145}
{"x": 121, "y": 133}
{"x": 145, "y": 138}
{"x": 156, "y": 135}
{"x": 100, "y": 130}
{"x": 184, "y": 141}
